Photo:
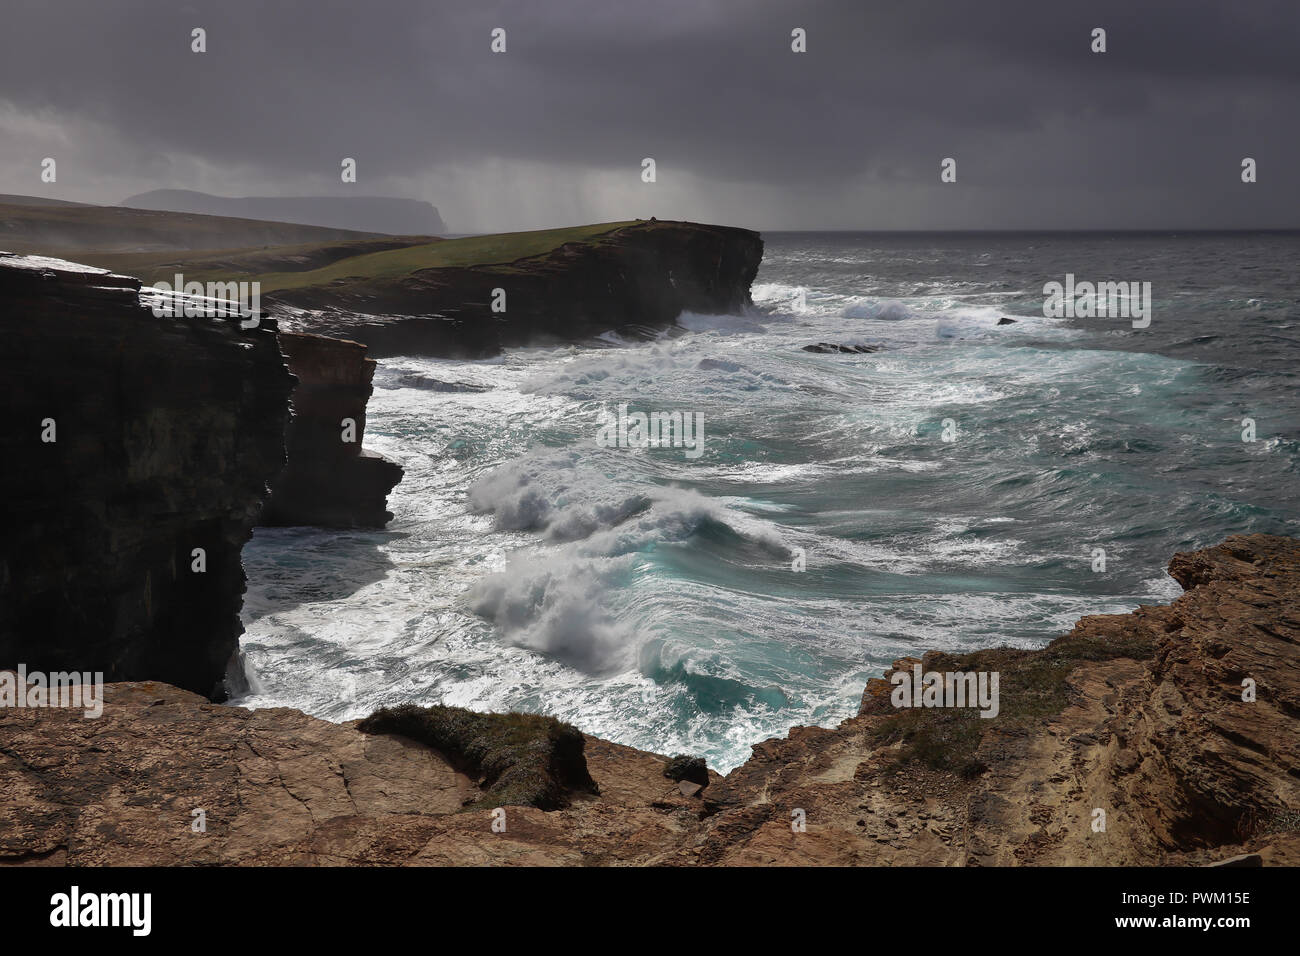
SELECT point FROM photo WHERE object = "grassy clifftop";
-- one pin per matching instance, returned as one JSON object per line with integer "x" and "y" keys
{"x": 494, "y": 249}
{"x": 551, "y": 286}
{"x": 418, "y": 295}
{"x": 306, "y": 264}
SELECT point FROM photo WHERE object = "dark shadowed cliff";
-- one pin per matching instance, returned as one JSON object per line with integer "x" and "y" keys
{"x": 137, "y": 453}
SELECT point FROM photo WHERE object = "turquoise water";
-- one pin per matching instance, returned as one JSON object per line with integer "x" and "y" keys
{"x": 649, "y": 597}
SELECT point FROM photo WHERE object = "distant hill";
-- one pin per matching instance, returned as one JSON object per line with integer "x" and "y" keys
{"x": 399, "y": 217}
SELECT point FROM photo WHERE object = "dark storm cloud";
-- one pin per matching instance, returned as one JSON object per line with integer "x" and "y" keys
{"x": 1045, "y": 132}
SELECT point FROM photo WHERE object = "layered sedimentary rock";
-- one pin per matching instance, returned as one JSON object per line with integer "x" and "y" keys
{"x": 329, "y": 478}
{"x": 633, "y": 278}
{"x": 1138, "y": 715}
{"x": 137, "y": 452}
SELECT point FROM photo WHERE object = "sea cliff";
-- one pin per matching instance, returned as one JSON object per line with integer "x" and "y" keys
{"x": 146, "y": 445}
{"x": 632, "y": 278}
{"x": 137, "y": 453}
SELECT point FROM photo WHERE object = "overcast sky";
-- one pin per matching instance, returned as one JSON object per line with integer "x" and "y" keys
{"x": 849, "y": 135}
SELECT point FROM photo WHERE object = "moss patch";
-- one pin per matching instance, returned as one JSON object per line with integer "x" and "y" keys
{"x": 517, "y": 759}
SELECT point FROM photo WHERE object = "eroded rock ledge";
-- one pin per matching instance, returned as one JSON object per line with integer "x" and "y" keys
{"x": 1140, "y": 715}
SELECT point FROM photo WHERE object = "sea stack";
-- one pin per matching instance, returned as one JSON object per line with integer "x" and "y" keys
{"x": 330, "y": 479}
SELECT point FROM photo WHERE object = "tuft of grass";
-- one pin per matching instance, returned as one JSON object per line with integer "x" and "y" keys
{"x": 940, "y": 739}
{"x": 517, "y": 759}
{"x": 687, "y": 767}
{"x": 1032, "y": 687}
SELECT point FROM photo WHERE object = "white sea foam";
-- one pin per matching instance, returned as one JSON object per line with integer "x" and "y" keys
{"x": 652, "y": 600}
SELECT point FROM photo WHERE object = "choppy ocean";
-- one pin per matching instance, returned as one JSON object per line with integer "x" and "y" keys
{"x": 649, "y": 597}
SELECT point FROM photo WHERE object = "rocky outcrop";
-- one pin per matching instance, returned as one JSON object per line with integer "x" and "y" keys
{"x": 277, "y": 787}
{"x": 1140, "y": 716}
{"x": 137, "y": 454}
{"x": 330, "y": 479}
{"x": 632, "y": 278}
{"x": 831, "y": 347}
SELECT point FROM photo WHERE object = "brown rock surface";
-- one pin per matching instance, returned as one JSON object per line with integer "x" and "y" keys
{"x": 1140, "y": 715}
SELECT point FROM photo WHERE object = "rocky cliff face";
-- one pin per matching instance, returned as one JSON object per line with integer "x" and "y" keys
{"x": 636, "y": 277}
{"x": 1138, "y": 715}
{"x": 137, "y": 454}
{"x": 329, "y": 479}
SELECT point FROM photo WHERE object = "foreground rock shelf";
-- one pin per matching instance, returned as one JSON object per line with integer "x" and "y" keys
{"x": 1140, "y": 715}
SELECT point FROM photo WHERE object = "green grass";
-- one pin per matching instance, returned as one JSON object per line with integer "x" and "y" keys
{"x": 341, "y": 259}
{"x": 154, "y": 245}
{"x": 517, "y": 759}
{"x": 68, "y": 231}
{"x": 226, "y": 264}
{"x": 470, "y": 251}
